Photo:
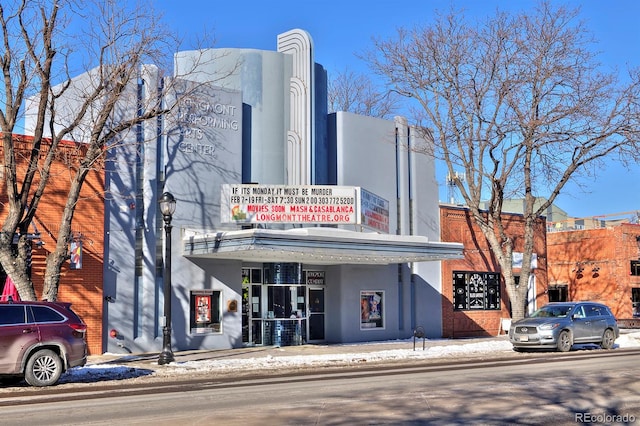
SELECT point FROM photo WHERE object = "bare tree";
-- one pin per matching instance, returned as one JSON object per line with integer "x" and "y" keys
{"x": 112, "y": 44}
{"x": 357, "y": 93}
{"x": 520, "y": 104}
{"x": 27, "y": 65}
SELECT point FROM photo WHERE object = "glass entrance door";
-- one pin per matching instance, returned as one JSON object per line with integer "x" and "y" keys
{"x": 246, "y": 314}
{"x": 252, "y": 306}
{"x": 316, "y": 314}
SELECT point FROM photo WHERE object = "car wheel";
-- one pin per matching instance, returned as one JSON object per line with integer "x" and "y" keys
{"x": 44, "y": 368}
{"x": 564, "y": 341}
{"x": 608, "y": 339}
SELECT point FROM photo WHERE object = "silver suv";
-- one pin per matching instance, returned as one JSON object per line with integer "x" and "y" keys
{"x": 39, "y": 341}
{"x": 560, "y": 325}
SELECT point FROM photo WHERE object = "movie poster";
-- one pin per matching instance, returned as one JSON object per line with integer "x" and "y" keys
{"x": 75, "y": 260}
{"x": 203, "y": 309}
{"x": 205, "y": 312}
{"x": 371, "y": 305}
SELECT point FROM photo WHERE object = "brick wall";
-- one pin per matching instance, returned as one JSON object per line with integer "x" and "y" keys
{"x": 594, "y": 264}
{"x": 456, "y": 225}
{"x": 83, "y": 287}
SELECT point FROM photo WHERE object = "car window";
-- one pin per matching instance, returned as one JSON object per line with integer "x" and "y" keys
{"x": 579, "y": 312}
{"x": 12, "y": 315}
{"x": 45, "y": 314}
{"x": 594, "y": 311}
{"x": 551, "y": 312}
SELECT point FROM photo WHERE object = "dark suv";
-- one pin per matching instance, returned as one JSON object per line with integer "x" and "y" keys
{"x": 39, "y": 341}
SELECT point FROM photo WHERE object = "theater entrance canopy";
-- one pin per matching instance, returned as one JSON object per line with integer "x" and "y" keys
{"x": 316, "y": 245}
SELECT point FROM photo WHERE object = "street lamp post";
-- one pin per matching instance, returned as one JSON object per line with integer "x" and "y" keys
{"x": 167, "y": 208}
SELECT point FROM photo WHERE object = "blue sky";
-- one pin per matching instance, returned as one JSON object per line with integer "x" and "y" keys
{"x": 340, "y": 29}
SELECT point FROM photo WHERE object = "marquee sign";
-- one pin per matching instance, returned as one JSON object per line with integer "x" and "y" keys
{"x": 374, "y": 211}
{"x": 310, "y": 204}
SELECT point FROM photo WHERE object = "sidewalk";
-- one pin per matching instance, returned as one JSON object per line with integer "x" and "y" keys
{"x": 149, "y": 360}
{"x": 323, "y": 354}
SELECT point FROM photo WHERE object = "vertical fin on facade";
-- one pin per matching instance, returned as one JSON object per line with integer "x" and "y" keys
{"x": 402, "y": 171}
{"x": 298, "y": 43}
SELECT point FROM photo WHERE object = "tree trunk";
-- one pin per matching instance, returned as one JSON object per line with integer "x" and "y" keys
{"x": 518, "y": 298}
{"x": 15, "y": 265}
{"x": 56, "y": 259}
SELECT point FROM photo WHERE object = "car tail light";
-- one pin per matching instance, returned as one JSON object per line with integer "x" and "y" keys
{"x": 79, "y": 329}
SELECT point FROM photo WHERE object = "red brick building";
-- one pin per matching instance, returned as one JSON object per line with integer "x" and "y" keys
{"x": 600, "y": 264}
{"x": 464, "y": 314}
{"x": 82, "y": 287}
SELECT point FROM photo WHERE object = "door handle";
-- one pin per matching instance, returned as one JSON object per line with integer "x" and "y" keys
{"x": 27, "y": 330}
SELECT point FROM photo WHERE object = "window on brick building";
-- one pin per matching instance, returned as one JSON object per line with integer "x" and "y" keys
{"x": 558, "y": 293}
{"x": 635, "y": 267}
{"x": 635, "y": 301}
{"x": 473, "y": 291}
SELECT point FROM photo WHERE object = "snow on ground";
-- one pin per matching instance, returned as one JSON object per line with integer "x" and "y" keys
{"x": 102, "y": 371}
{"x": 346, "y": 357}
